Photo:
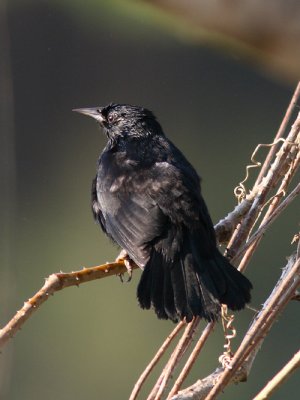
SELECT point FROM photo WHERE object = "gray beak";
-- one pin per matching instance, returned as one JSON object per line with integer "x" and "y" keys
{"x": 94, "y": 112}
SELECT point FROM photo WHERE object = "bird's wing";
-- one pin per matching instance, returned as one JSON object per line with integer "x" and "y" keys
{"x": 133, "y": 221}
{"x": 178, "y": 195}
{"x": 165, "y": 199}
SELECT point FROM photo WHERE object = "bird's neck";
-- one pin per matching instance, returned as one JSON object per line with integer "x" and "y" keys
{"x": 142, "y": 150}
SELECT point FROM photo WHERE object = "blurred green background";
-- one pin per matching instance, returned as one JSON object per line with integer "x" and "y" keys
{"x": 94, "y": 341}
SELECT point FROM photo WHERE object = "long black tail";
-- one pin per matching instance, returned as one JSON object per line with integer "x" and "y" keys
{"x": 191, "y": 285}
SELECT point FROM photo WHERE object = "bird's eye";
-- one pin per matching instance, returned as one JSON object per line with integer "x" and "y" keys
{"x": 112, "y": 117}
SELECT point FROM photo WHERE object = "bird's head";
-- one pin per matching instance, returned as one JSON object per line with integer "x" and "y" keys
{"x": 123, "y": 120}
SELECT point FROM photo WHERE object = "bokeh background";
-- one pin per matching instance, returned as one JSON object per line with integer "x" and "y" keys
{"x": 94, "y": 341}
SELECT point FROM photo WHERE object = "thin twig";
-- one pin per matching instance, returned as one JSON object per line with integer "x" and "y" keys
{"x": 191, "y": 360}
{"x": 279, "y": 378}
{"x": 227, "y": 229}
{"x": 276, "y": 171}
{"x": 294, "y": 161}
{"x": 261, "y": 325}
{"x": 54, "y": 283}
{"x": 266, "y": 223}
{"x": 176, "y": 356}
{"x": 138, "y": 386}
{"x": 244, "y": 357}
{"x": 279, "y": 134}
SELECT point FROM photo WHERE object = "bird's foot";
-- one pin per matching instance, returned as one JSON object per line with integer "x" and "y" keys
{"x": 124, "y": 257}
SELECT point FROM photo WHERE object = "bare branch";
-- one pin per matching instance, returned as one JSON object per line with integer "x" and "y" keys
{"x": 267, "y": 222}
{"x": 279, "y": 378}
{"x": 243, "y": 359}
{"x": 225, "y": 228}
{"x": 191, "y": 360}
{"x": 176, "y": 356}
{"x": 279, "y": 134}
{"x": 284, "y": 165}
{"x": 54, "y": 283}
{"x": 154, "y": 361}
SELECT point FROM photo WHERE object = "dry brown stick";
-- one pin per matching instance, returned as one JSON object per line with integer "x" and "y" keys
{"x": 279, "y": 134}
{"x": 54, "y": 283}
{"x": 176, "y": 356}
{"x": 226, "y": 226}
{"x": 224, "y": 234}
{"x": 273, "y": 307}
{"x": 277, "y": 169}
{"x": 267, "y": 222}
{"x": 154, "y": 361}
{"x": 279, "y": 378}
{"x": 191, "y": 360}
{"x": 294, "y": 164}
{"x": 261, "y": 326}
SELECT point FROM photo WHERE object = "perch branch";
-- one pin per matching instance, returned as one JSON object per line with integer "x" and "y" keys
{"x": 54, "y": 283}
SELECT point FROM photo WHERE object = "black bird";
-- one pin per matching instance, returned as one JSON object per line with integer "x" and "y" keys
{"x": 147, "y": 198}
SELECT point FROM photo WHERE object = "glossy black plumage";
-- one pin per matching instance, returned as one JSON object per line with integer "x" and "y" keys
{"x": 146, "y": 197}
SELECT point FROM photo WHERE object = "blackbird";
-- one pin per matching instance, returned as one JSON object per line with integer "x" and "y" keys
{"x": 147, "y": 198}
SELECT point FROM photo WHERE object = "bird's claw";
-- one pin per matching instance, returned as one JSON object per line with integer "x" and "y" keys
{"x": 129, "y": 269}
{"x": 124, "y": 257}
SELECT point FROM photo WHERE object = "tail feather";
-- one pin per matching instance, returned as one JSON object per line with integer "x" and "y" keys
{"x": 144, "y": 288}
{"x": 191, "y": 285}
{"x": 169, "y": 302}
{"x": 157, "y": 287}
{"x": 180, "y": 288}
{"x": 238, "y": 287}
{"x": 192, "y": 288}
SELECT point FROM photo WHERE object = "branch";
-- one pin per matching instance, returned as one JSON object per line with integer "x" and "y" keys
{"x": 176, "y": 356}
{"x": 191, "y": 360}
{"x": 280, "y": 133}
{"x": 155, "y": 360}
{"x": 225, "y": 228}
{"x": 242, "y": 361}
{"x": 267, "y": 222}
{"x": 279, "y": 378}
{"x": 54, "y": 283}
{"x": 278, "y": 170}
